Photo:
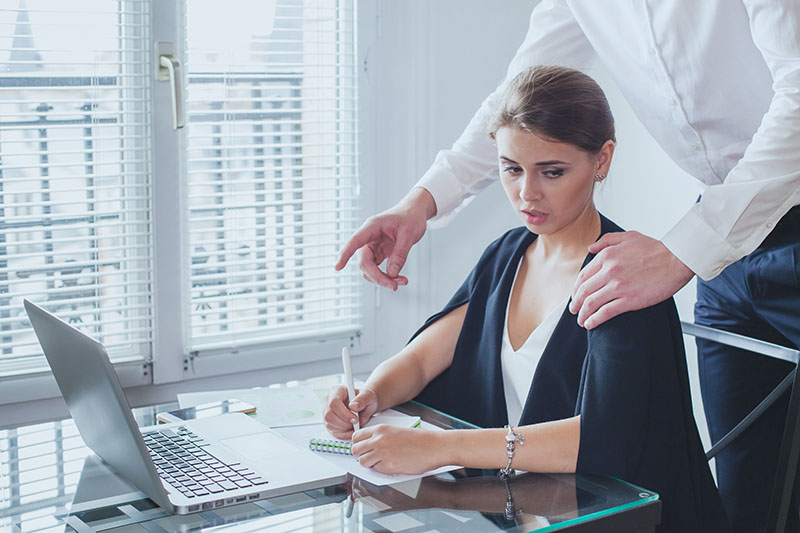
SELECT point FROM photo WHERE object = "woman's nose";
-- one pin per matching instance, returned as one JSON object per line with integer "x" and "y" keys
{"x": 529, "y": 191}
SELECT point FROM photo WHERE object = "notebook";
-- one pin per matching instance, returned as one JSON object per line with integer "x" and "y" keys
{"x": 329, "y": 445}
{"x": 303, "y": 435}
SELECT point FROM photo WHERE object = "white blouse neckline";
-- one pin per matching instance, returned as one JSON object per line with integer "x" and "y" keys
{"x": 519, "y": 366}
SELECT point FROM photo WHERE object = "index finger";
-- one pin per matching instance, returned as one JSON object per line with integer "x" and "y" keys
{"x": 362, "y": 435}
{"x": 609, "y": 239}
{"x": 586, "y": 273}
{"x": 362, "y": 236}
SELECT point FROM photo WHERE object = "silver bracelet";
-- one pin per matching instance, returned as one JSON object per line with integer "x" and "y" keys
{"x": 511, "y": 440}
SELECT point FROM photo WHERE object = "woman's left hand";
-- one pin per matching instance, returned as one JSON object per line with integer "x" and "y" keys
{"x": 393, "y": 450}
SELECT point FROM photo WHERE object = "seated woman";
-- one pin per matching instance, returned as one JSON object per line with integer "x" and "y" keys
{"x": 506, "y": 351}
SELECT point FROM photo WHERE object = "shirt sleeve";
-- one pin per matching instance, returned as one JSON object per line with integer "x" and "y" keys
{"x": 733, "y": 218}
{"x": 458, "y": 174}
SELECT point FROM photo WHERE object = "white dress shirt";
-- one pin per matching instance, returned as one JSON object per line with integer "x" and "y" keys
{"x": 519, "y": 366}
{"x": 717, "y": 84}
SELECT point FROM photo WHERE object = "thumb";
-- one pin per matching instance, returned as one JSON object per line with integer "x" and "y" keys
{"x": 609, "y": 239}
{"x": 365, "y": 404}
{"x": 361, "y": 400}
{"x": 397, "y": 259}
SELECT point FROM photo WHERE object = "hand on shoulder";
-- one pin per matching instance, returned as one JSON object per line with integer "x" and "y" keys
{"x": 630, "y": 271}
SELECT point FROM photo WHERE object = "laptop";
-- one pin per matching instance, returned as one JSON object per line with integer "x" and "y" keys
{"x": 188, "y": 467}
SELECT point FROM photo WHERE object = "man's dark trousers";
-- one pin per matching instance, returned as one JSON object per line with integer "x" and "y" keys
{"x": 758, "y": 296}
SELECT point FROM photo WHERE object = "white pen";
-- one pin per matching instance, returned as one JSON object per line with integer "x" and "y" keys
{"x": 348, "y": 381}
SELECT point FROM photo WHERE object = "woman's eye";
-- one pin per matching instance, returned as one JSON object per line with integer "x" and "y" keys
{"x": 553, "y": 173}
{"x": 512, "y": 170}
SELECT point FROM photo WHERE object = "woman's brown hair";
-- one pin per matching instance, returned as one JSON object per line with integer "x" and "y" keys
{"x": 559, "y": 103}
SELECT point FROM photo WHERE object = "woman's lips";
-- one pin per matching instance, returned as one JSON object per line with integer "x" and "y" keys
{"x": 534, "y": 217}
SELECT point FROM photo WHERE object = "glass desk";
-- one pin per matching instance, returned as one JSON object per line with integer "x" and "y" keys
{"x": 50, "y": 481}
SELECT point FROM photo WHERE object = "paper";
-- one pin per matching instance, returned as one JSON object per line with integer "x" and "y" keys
{"x": 300, "y": 435}
{"x": 410, "y": 488}
{"x": 398, "y": 522}
{"x": 285, "y": 406}
{"x": 393, "y": 418}
{"x": 296, "y": 414}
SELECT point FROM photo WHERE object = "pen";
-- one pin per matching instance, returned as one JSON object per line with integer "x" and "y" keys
{"x": 348, "y": 381}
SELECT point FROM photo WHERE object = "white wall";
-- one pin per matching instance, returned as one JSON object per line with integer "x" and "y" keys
{"x": 432, "y": 65}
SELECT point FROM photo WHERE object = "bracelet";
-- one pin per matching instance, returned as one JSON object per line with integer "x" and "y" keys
{"x": 511, "y": 440}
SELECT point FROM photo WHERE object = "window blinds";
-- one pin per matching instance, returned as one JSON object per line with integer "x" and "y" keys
{"x": 271, "y": 164}
{"x": 75, "y": 174}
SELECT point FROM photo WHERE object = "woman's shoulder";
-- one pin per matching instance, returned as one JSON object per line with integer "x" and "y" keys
{"x": 644, "y": 320}
{"x": 654, "y": 326}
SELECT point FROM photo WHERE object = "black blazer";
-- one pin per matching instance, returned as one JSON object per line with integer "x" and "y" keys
{"x": 626, "y": 378}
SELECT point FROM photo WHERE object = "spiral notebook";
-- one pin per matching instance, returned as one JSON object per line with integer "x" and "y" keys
{"x": 304, "y": 435}
{"x": 330, "y": 445}
{"x": 391, "y": 417}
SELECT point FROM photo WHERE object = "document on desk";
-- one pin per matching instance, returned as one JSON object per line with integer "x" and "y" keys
{"x": 278, "y": 407}
{"x": 296, "y": 414}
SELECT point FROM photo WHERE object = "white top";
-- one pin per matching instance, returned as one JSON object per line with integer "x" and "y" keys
{"x": 717, "y": 84}
{"x": 519, "y": 367}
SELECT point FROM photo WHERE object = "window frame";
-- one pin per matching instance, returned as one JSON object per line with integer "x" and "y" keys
{"x": 171, "y": 363}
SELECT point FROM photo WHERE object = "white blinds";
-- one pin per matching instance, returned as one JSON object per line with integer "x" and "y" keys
{"x": 74, "y": 173}
{"x": 271, "y": 163}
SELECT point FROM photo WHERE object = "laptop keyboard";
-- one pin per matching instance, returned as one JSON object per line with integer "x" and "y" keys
{"x": 182, "y": 461}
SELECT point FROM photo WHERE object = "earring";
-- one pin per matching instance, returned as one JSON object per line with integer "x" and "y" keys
{"x": 599, "y": 177}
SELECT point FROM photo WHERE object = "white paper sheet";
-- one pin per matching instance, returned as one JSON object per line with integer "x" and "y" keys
{"x": 398, "y": 522}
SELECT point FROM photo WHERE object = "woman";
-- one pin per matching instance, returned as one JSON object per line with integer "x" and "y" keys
{"x": 505, "y": 350}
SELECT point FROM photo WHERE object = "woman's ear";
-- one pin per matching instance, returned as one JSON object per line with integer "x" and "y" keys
{"x": 604, "y": 157}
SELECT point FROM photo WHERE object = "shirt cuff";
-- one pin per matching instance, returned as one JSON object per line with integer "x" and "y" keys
{"x": 699, "y": 247}
{"x": 445, "y": 189}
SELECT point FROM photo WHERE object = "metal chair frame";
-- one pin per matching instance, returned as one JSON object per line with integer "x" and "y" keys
{"x": 790, "y": 445}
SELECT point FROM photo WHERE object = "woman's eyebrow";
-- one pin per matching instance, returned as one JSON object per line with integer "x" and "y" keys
{"x": 554, "y": 162}
{"x": 508, "y": 159}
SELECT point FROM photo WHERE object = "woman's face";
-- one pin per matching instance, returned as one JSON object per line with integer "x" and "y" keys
{"x": 549, "y": 184}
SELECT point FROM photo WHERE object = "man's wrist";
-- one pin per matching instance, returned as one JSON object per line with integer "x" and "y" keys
{"x": 420, "y": 199}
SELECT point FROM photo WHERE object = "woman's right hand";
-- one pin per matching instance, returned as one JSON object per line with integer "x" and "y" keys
{"x": 338, "y": 414}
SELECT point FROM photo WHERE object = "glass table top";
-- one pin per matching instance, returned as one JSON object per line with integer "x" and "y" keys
{"x": 50, "y": 481}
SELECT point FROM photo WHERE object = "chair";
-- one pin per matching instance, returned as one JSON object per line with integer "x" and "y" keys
{"x": 790, "y": 445}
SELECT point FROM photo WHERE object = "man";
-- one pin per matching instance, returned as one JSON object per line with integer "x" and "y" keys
{"x": 717, "y": 84}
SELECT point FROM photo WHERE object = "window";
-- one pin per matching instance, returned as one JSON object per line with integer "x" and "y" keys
{"x": 75, "y": 174}
{"x": 266, "y": 170}
{"x": 271, "y": 169}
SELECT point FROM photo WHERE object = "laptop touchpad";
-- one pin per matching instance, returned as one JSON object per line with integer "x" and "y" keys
{"x": 262, "y": 448}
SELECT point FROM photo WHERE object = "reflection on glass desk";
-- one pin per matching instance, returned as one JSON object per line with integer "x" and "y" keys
{"x": 50, "y": 481}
